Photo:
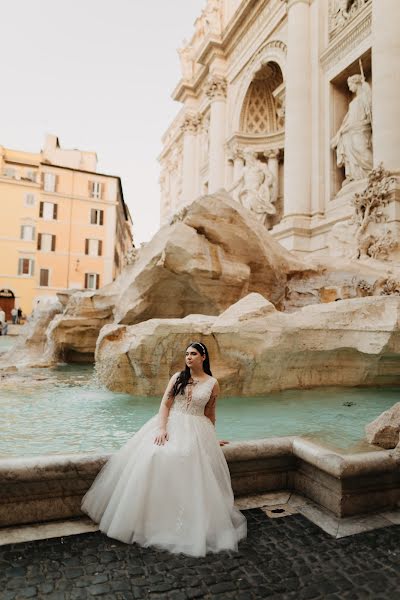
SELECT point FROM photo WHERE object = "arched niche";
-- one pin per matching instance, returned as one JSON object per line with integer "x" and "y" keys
{"x": 272, "y": 56}
{"x": 260, "y": 110}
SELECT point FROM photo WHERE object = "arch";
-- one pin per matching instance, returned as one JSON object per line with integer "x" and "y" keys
{"x": 7, "y": 302}
{"x": 259, "y": 110}
{"x": 271, "y": 52}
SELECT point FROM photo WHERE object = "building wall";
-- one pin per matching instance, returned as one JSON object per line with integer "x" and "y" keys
{"x": 314, "y": 46}
{"x": 66, "y": 259}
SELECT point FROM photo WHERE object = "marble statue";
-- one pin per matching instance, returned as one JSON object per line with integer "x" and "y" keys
{"x": 213, "y": 16}
{"x": 186, "y": 58}
{"x": 353, "y": 141}
{"x": 255, "y": 188}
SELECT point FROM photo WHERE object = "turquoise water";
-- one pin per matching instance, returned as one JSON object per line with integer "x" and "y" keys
{"x": 7, "y": 342}
{"x": 62, "y": 410}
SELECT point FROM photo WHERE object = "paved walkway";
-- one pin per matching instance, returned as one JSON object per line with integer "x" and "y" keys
{"x": 282, "y": 558}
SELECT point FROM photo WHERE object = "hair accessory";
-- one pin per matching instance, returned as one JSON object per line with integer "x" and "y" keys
{"x": 199, "y": 344}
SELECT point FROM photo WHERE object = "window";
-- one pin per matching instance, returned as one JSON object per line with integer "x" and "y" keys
{"x": 96, "y": 216}
{"x": 49, "y": 182}
{"x": 26, "y": 266}
{"x": 44, "y": 278}
{"x": 48, "y": 211}
{"x": 93, "y": 247}
{"x": 10, "y": 172}
{"x": 30, "y": 200}
{"x": 27, "y": 233}
{"x": 31, "y": 175}
{"x": 95, "y": 189}
{"x": 92, "y": 281}
{"x": 46, "y": 242}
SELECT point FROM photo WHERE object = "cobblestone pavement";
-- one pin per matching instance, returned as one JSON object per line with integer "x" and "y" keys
{"x": 281, "y": 558}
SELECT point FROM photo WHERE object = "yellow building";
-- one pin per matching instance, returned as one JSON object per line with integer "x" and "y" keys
{"x": 63, "y": 225}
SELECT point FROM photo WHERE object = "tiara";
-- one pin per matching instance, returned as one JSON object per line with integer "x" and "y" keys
{"x": 199, "y": 344}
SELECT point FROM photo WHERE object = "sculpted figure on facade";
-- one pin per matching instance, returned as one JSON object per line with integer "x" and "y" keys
{"x": 187, "y": 61}
{"x": 353, "y": 141}
{"x": 342, "y": 11}
{"x": 213, "y": 16}
{"x": 255, "y": 188}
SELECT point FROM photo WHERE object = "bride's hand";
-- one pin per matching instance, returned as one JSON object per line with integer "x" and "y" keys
{"x": 161, "y": 437}
{"x": 223, "y": 442}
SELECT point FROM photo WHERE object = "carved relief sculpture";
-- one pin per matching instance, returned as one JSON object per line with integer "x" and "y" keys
{"x": 255, "y": 188}
{"x": 342, "y": 12}
{"x": 368, "y": 208}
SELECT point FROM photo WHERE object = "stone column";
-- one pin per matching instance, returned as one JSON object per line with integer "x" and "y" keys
{"x": 297, "y": 176}
{"x": 190, "y": 166}
{"x": 216, "y": 91}
{"x": 238, "y": 164}
{"x": 386, "y": 84}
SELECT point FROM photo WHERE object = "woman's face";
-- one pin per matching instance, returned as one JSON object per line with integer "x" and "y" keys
{"x": 193, "y": 358}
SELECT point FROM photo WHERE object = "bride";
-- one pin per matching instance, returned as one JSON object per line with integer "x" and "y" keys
{"x": 169, "y": 485}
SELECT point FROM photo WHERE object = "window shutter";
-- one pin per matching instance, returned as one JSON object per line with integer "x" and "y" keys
{"x": 100, "y": 248}
{"x": 92, "y": 216}
{"x": 86, "y": 246}
{"x": 39, "y": 241}
{"x": 53, "y": 243}
{"x": 55, "y": 211}
{"x": 97, "y": 281}
{"x": 33, "y": 233}
{"x": 90, "y": 188}
{"x": 20, "y": 266}
{"x": 101, "y": 187}
{"x": 55, "y": 184}
{"x": 32, "y": 265}
{"x": 41, "y": 210}
{"x": 101, "y": 217}
{"x": 86, "y": 280}
{"x": 22, "y": 232}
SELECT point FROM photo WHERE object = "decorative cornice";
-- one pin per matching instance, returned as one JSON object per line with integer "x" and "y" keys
{"x": 216, "y": 87}
{"x": 291, "y": 3}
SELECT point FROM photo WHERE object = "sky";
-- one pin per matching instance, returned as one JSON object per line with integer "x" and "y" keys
{"x": 99, "y": 75}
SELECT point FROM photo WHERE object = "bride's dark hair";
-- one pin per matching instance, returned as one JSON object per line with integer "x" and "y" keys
{"x": 183, "y": 378}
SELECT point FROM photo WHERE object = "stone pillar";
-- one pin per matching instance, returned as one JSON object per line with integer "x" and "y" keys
{"x": 190, "y": 166}
{"x": 238, "y": 164}
{"x": 386, "y": 84}
{"x": 273, "y": 165}
{"x": 297, "y": 175}
{"x": 216, "y": 91}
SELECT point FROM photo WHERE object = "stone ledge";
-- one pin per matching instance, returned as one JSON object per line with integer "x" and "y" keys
{"x": 51, "y": 487}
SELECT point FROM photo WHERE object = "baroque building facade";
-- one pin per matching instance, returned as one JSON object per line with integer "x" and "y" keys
{"x": 63, "y": 224}
{"x": 289, "y": 105}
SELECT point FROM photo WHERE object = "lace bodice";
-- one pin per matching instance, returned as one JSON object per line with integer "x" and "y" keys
{"x": 195, "y": 397}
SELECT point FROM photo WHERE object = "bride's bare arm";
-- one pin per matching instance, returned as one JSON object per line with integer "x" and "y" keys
{"x": 166, "y": 403}
{"x": 209, "y": 410}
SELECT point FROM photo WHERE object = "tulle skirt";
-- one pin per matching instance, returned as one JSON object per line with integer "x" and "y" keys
{"x": 177, "y": 496}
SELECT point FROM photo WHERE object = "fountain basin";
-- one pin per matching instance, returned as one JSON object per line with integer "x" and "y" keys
{"x": 51, "y": 487}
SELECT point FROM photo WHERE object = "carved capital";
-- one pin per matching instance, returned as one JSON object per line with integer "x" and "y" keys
{"x": 216, "y": 87}
{"x": 274, "y": 154}
{"x": 191, "y": 123}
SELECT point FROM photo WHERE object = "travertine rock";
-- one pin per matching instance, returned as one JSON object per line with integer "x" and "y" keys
{"x": 212, "y": 255}
{"x": 256, "y": 349}
{"x": 385, "y": 429}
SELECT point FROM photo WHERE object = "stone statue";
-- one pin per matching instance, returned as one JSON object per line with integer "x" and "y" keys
{"x": 353, "y": 141}
{"x": 186, "y": 58}
{"x": 213, "y": 16}
{"x": 255, "y": 188}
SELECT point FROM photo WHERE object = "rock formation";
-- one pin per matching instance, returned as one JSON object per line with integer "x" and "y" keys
{"x": 256, "y": 348}
{"x": 384, "y": 431}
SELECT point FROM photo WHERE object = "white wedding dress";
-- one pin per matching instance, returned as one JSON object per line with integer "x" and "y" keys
{"x": 177, "y": 496}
